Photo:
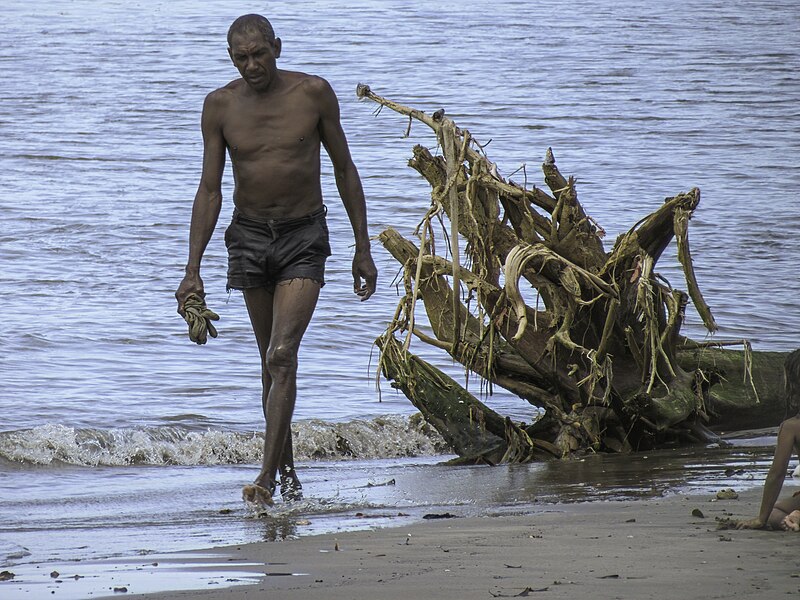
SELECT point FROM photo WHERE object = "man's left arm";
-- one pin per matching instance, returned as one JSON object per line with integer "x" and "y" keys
{"x": 365, "y": 274}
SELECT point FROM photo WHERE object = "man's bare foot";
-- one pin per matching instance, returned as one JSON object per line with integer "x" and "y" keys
{"x": 791, "y": 522}
{"x": 258, "y": 496}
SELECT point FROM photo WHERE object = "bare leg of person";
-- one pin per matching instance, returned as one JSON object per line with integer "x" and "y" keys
{"x": 259, "y": 307}
{"x": 291, "y": 488}
{"x": 288, "y": 310}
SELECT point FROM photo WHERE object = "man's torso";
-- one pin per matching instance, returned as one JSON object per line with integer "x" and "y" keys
{"x": 274, "y": 145}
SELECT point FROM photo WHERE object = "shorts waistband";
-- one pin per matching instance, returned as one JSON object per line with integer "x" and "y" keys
{"x": 278, "y": 224}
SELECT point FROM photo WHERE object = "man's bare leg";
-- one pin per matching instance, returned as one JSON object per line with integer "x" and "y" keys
{"x": 259, "y": 307}
{"x": 291, "y": 488}
{"x": 279, "y": 319}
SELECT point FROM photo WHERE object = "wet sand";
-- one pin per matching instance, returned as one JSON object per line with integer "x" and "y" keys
{"x": 634, "y": 549}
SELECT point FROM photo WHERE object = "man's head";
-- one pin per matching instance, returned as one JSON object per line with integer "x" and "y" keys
{"x": 252, "y": 24}
{"x": 253, "y": 48}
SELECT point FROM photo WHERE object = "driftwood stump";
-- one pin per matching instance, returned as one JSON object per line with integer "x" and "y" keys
{"x": 599, "y": 351}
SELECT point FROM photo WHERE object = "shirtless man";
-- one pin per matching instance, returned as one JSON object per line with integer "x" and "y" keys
{"x": 783, "y": 514}
{"x": 272, "y": 123}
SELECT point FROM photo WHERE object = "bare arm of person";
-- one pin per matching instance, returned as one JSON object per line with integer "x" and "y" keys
{"x": 787, "y": 436}
{"x": 207, "y": 200}
{"x": 348, "y": 183}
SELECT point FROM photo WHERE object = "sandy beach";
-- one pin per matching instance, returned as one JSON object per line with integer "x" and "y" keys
{"x": 653, "y": 548}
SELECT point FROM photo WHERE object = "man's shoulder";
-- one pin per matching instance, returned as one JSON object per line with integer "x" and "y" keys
{"x": 218, "y": 103}
{"x": 313, "y": 84}
{"x": 226, "y": 92}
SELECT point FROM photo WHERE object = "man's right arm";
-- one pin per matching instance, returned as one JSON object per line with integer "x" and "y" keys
{"x": 208, "y": 199}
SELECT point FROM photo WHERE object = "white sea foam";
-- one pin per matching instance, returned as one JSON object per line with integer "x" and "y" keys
{"x": 383, "y": 437}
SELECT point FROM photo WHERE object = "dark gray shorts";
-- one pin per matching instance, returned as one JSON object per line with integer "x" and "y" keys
{"x": 262, "y": 253}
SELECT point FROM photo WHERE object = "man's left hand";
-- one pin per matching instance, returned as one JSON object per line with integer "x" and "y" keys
{"x": 365, "y": 275}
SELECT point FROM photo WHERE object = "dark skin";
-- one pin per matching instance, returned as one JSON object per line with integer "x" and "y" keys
{"x": 273, "y": 124}
{"x": 773, "y": 513}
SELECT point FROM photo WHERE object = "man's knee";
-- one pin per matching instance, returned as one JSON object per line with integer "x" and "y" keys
{"x": 281, "y": 358}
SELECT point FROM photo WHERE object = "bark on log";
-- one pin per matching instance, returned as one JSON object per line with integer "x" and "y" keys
{"x": 471, "y": 428}
{"x": 741, "y": 399}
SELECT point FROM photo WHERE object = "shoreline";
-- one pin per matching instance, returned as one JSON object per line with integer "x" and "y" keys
{"x": 601, "y": 549}
{"x": 189, "y": 531}
{"x": 615, "y": 549}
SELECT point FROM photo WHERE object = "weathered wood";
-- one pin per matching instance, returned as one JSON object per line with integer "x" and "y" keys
{"x": 738, "y": 398}
{"x": 600, "y": 352}
{"x": 499, "y": 363}
{"x": 471, "y": 428}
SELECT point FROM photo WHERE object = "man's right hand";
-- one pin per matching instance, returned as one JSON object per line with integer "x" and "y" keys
{"x": 191, "y": 284}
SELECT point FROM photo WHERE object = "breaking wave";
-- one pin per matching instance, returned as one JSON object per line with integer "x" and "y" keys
{"x": 383, "y": 437}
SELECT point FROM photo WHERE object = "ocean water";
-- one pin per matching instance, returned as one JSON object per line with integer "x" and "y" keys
{"x": 118, "y": 436}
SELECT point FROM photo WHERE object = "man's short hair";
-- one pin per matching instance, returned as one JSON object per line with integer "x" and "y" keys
{"x": 247, "y": 23}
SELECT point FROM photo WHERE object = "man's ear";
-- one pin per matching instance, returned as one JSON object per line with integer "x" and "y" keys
{"x": 277, "y": 45}
{"x": 230, "y": 53}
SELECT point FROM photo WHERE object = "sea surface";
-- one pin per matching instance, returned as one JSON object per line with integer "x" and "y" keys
{"x": 119, "y": 437}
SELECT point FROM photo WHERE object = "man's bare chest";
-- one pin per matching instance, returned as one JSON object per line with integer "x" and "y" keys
{"x": 251, "y": 131}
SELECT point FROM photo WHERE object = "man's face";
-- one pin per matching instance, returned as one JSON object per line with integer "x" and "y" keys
{"x": 255, "y": 58}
